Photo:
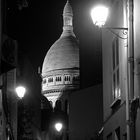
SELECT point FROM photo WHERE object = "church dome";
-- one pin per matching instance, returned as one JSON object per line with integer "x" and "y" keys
{"x": 63, "y": 54}
{"x": 60, "y": 69}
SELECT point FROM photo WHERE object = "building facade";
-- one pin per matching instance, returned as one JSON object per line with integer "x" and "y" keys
{"x": 85, "y": 113}
{"x": 8, "y": 105}
{"x": 8, "y": 102}
{"x": 120, "y": 51}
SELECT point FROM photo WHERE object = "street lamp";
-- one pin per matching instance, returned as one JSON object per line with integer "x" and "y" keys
{"x": 58, "y": 126}
{"x": 20, "y": 90}
{"x": 99, "y": 15}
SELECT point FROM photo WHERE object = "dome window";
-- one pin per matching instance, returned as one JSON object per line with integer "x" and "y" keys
{"x": 44, "y": 81}
{"x": 67, "y": 78}
{"x": 50, "y": 80}
{"x": 58, "y": 79}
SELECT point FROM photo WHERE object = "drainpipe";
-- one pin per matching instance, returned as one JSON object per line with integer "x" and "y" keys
{"x": 130, "y": 70}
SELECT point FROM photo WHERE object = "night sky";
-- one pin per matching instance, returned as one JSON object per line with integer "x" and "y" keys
{"x": 39, "y": 25}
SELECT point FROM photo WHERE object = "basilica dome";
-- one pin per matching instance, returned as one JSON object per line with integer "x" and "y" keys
{"x": 60, "y": 69}
{"x": 63, "y": 54}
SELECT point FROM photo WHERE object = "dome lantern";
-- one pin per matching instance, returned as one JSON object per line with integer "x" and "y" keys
{"x": 67, "y": 20}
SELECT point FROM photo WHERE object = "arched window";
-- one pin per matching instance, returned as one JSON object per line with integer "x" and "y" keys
{"x": 67, "y": 78}
{"x": 58, "y": 78}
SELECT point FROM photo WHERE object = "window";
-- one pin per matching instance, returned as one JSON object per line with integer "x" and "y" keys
{"x": 58, "y": 79}
{"x": 67, "y": 78}
{"x": 115, "y": 69}
{"x": 50, "y": 80}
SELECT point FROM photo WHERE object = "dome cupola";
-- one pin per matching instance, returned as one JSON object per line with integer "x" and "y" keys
{"x": 67, "y": 20}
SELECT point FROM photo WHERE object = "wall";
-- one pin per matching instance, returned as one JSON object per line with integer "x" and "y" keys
{"x": 114, "y": 117}
{"x": 137, "y": 60}
{"x": 113, "y": 122}
{"x": 115, "y": 20}
{"x": 85, "y": 114}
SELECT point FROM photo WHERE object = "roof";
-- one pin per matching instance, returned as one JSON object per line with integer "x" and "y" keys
{"x": 63, "y": 54}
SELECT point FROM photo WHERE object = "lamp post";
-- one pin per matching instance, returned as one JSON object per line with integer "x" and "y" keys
{"x": 99, "y": 16}
{"x": 20, "y": 91}
{"x": 58, "y": 125}
{"x": 59, "y": 130}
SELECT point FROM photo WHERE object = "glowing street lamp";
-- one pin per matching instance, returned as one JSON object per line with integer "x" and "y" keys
{"x": 99, "y": 15}
{"x": 58, "y": 126}
{"x": 20, "y": 90}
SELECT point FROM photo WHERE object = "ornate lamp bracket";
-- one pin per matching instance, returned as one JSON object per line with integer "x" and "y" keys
{"x": 116, "y": 31}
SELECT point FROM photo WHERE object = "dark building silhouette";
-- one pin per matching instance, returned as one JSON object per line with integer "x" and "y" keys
{"x": 20, "y": 118}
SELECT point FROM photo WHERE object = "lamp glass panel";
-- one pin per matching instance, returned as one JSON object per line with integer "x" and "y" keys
{"x": 99, "y": 15}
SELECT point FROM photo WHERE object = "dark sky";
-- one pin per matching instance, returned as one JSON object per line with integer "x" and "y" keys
{"x": 39, "y": 25}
